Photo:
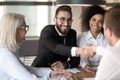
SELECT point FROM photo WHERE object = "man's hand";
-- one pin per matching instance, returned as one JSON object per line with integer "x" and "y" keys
{"x": 58, "y": 65}
{"x": 67, "y": 75}
{"x": 90, "y": 47}
{"x": 86, "y": 51}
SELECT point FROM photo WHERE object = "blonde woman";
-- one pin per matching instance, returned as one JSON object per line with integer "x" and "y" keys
{"x": 12, "y": 31}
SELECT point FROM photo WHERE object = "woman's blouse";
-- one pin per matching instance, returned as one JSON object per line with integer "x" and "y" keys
{"x": 87, "y": 37}
{"x": 11, "y": 68}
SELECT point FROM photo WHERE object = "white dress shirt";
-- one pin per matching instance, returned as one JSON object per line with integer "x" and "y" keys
{"x": 109, "y": 68}
{"x": 87, "y": 37}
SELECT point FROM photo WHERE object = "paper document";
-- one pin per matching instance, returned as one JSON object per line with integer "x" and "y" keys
{"x": 42, "y": 71}
{"x": 46, "y": 71}
{"x": 73, "y": 70}
{"x": 88, "y": 78}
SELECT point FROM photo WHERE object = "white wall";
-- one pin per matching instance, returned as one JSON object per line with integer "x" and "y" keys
{"x": 76, "y": 18}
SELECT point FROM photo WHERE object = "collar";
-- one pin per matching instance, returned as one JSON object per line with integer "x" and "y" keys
{"x": 60, "y": 34}
{"x": 118, "y": 43}
{"x": 89, "y": 35}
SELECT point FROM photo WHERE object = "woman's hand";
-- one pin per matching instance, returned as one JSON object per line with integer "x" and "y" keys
{"x": 63, "y": 73}
{"x": 69, "y": 75}
{"x": 56, "y": 74}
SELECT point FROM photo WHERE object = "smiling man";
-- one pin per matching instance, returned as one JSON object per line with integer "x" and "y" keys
{"x": 58, "y": 42}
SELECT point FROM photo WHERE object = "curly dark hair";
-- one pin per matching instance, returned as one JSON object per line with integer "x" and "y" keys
{"x": 88, "y": 13}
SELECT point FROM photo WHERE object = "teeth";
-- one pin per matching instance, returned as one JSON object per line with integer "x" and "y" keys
{"x": 64, "y": 27}
{"x": 94, "y": 27}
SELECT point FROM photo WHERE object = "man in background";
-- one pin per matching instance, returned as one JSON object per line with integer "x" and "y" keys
{"x": 57, "y": 43}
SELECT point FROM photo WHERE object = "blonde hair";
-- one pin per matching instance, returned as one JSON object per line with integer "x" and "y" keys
{"x": 8, "y": 27}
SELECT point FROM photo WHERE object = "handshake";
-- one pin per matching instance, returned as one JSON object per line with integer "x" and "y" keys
{"x": 58, "y": 67}
{"x": 86, "y": 51}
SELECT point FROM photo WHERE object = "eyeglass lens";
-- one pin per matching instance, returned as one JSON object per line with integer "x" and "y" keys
{"x": 63, "y": 19}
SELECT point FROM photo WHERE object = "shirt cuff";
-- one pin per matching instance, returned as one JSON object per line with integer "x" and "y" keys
{"x": 83, "y": 65}
{"x": 73, "y": 51}
{"x": 67, "y": 64}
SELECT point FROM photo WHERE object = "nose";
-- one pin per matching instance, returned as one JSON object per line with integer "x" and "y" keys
{"x": 66, "y": 23}
{"x": 95, "y": 23}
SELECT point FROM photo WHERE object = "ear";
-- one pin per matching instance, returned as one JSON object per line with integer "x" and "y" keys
{"x": 109, "y": 32}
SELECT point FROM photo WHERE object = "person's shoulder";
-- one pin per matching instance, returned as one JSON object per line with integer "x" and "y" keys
{"x": 72, "y": 31}
{"x": 115, "y": 50}
{"x": 48, "y": 27}
{"x": 83, "y": 34}
{"x": 5, "y": 52}
{"x": 112, "y": 53}
{"x": 112, "y": 50}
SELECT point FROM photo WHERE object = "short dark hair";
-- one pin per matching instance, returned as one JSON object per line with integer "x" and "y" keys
{"x": 112, "y": 20}
{"x": 63, "y": 8}
{"x": 88, "y": 13}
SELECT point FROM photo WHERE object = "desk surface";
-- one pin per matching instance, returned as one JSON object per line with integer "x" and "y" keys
{"x": 79, "y": 75}
{"x": 83, "y": 74}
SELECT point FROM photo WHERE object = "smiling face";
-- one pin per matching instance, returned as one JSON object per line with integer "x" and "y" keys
{"x": 96, "y": 23}
{"x": 63, "y": 21}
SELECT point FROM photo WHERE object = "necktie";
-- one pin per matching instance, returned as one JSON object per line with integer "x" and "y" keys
{"x": 63, "y": 39}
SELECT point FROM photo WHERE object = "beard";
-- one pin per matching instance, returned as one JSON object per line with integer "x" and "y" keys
{"x": 63, "y": 29}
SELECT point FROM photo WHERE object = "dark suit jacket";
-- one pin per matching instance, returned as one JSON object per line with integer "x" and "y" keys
{"x": 52, "y": 49}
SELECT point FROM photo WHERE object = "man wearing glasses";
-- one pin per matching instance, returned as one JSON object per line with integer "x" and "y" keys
{"x": 57, "y": 43}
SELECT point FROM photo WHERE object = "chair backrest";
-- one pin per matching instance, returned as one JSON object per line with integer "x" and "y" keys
{"x": 28, "y": 48}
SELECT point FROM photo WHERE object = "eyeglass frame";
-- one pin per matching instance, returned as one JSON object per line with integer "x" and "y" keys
{"x": 63, "y": 19}
{"x": 26, "y": 27}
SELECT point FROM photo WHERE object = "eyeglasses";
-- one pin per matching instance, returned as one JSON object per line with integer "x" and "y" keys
{"x": 63, "y": 19}
{"x": 24, "y": 28}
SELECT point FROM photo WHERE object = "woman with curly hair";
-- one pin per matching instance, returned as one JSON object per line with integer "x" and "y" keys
{"x": 92, "y": 20}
